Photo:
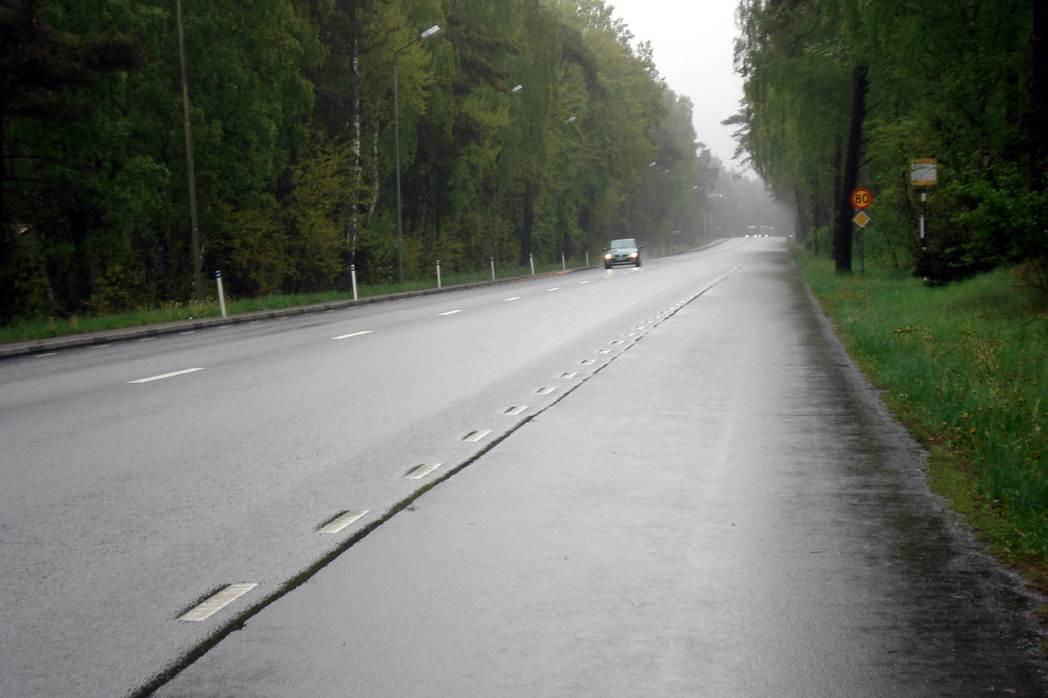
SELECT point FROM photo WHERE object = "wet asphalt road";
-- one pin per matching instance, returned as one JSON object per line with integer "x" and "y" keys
{"x": 123, "y": 503}
{"x": 723, "y": 510}
{"x": 708, "y": 502}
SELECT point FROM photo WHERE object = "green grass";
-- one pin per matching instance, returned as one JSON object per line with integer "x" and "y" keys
{"x": 42, "y": 328}
{"x": 963, "y": 366}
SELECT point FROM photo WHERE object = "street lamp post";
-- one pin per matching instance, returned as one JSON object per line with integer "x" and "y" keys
{"x": 432, "y": 31}
{"x": 515, "y": 90}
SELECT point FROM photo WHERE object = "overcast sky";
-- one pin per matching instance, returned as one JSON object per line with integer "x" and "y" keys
{"x": 693, "y": 42}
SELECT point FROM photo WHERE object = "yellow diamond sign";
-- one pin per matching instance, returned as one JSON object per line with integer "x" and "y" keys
{"x": 862, "y": 219}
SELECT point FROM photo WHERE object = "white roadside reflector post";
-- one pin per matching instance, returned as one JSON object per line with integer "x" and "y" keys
{"x": 221, "y": 293}
{"x": 531, "y": 262}
{"x": 587, "y": 259}
{"x": 492, "y": 268}
{"x": 924, "y": 210}
{"x": 563, "y": 262}
{"x": 438, "y": 276}
{"x": 353, "y": 279}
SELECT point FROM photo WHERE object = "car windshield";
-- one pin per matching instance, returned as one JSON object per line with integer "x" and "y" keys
{"x": 627, "y": 242}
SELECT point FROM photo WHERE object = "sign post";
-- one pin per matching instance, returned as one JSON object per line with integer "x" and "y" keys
{"x": 924, "y": 173}
{"x": 862, "y": 199}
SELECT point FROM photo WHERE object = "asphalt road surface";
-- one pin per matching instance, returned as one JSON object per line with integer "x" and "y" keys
{"x": 661, "y": 481}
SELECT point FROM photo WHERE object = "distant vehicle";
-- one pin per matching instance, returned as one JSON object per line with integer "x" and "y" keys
{"x": 759, "y": 231}
{"x": 624, "y": 251}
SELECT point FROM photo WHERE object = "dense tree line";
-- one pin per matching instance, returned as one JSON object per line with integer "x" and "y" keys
{"x": 846, "y": 92}
{"x": 291, "y": 109}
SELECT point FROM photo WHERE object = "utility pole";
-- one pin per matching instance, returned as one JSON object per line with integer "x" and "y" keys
{"x": 198, "y": 262}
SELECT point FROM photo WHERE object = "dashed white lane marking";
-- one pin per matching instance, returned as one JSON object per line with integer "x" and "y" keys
{"x": 342, "y": 521}
{"x": 616, "y": 341}
{"x": 631, "y": 334}
{"x": 451, "y": 312}
{"x": 551, "y": 290}
{"x": 216, "y": 602}
{"x": 353, "y": 334}
{"x": 568, "y": 375}
{"x": 510, "y": 300}
{"x": 583, "y": 282}
{"x": 475, "y": 436}
{"x": 44, "y": 356}
{"x": 515, "y": 410}
{"x": 546, "y": 391}
{"x": 162, "y": 376}
{"x": 604, "y": 351}
{"x": 421, "y": 471}
{"x": 587, "y": 362}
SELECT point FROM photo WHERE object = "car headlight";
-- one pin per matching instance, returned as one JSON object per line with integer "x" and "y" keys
{"x": 633, "y": 255}
{"x": 607, "y": 256}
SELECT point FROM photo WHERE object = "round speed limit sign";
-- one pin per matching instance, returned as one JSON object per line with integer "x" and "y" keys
{"x": 861, "y": 198}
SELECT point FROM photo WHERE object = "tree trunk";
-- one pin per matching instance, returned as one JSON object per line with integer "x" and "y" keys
{"x": 375, "y": 191}
{"x": 802, "y": 215}
{"x": 842, "y": 231}
{"x": 7, "y": 234}
{"x": 833, "y": 209}
{"x": 1038, "y": 118}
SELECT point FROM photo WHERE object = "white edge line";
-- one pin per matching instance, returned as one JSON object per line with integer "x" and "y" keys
{"x": 451, "y": 312}
{"x": 555, "y": 288}
{"x": 216, "y": 602}
{"x": 162, "y": 376}
{"x": 352, "y": 334}
{"x": 510, "y": 300}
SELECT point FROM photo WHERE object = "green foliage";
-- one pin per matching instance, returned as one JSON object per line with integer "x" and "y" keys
{"x": 291, "y": 109}
{"x": 257, "y": 250}
{"x": 952, "y": 81}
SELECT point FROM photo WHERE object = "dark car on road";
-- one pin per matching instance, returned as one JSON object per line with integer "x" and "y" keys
{"x": 624, "y": 251}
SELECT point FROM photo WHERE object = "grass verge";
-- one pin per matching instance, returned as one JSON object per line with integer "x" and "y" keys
{"x": 43, "y": 328}
{"x": 963, "y": 367}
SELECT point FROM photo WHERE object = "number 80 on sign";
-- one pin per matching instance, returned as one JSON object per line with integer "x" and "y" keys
{"x": 861, "y": 198}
